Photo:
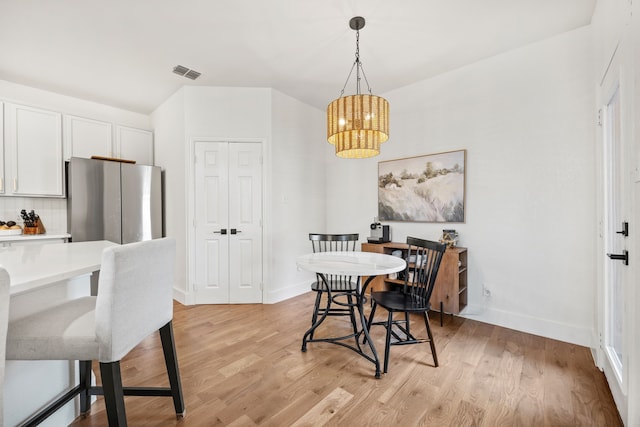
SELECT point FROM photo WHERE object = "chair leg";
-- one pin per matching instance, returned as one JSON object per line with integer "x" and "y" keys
{"x": 431, "y": 341}
{"x": 171, "y": 360}
{"x": 85, "y": 385}
{"x": 316, "y": 309}
{"x": 387, "y": 345}
{"x": 113, "y": 394}
{"x": 370, "y": 321}
{"x": 407, "y": 326}
{"x": 352, "y": 314}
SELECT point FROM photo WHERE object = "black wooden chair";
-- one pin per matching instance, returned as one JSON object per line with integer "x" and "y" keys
{"x": 346, "y": 286}
{"x": 423, "y": 263}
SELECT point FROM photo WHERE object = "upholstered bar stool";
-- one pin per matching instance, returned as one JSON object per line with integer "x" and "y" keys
{"x": 135, "y": 299}
{"x": 4, "y": 318}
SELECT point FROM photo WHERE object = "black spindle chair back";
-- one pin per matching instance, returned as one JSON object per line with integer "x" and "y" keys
{"x": 340, "y": 286}
{"x": 423, "y": 263}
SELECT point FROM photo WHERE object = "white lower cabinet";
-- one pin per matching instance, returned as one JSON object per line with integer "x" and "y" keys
{"x": 33, "y": 163}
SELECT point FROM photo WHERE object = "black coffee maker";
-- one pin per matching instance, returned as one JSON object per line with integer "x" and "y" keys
{"x": 379, "y": 233}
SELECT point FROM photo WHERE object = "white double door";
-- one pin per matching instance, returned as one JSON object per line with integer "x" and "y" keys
{"x": 228, "y": 222}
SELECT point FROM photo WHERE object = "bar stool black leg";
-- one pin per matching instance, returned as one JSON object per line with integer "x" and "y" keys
{"x": 85, "y": 385}
{"x": 171, "y": 360}
{"x": 113, "y": 394}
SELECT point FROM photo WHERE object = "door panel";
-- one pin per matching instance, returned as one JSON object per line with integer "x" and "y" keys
{"x": 211, "y": 255}
{"x": 2, "y": 179}
{"x": 34, "y": 141}
{"x": 614, "y": 243}
{"x": 94, "y": 202}
{"x": 245, "y": 214}
{"x": 216, "y": 280}
{"x": 141, "y": 202}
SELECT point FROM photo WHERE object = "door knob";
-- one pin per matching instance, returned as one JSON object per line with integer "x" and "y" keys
{"x": 223, "y": 231}
{"x": 234, "y": 231}
{"x": 624, "y": 257}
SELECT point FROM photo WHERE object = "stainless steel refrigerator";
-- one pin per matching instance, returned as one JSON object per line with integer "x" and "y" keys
{"x": 116, "y": 201}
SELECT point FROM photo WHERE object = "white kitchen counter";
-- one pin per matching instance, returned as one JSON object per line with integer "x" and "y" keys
{"x": 34, "y": 266}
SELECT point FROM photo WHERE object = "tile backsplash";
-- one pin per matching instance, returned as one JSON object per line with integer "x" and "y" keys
{"x": 52, "y": 211}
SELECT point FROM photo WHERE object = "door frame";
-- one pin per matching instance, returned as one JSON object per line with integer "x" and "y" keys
{"x": 615, "y": 76}
{"x": 190, "y": 297}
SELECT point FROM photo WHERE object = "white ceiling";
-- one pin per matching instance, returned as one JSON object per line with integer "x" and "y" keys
{"x": 122, "y": 52}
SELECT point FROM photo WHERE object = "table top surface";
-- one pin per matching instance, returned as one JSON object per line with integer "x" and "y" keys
{"x": 351, "y": 263}
{"x": 33, "y": 266}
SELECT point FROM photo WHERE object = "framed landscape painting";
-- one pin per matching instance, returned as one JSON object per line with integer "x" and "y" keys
{"x": 423, "y": 189}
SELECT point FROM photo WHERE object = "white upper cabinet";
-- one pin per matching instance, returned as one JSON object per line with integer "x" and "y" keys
{"x": 135, "y": 144}
{"x": 33, "y": 161}
{"x": 86, "y": 137}
{"x": 2, "y": 181}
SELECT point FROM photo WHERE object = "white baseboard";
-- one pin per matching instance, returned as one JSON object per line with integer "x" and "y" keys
{"x": 272, "y": 297}
{"x": 189, "y": 298}
{"x": 532, "y": 325}
{"x": 182, "y": 296}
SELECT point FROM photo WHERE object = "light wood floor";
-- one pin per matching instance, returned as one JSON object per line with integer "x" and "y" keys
{"x": 241, "y": 365}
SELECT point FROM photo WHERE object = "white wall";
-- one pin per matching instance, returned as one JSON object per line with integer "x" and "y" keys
{"x": 53, "y": 211}
{"x": 221, "y": 114}
{"x": 170, "y": 155}
{"x": 297, "y": 193}
{"x": 25, "y": 95}
{"x": 526, "y": 120}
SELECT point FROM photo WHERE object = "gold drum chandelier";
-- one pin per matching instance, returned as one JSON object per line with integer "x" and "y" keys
{"x": 357, "y": 124}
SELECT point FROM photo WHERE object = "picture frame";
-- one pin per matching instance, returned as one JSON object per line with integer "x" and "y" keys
{"x": 428, "y": 188}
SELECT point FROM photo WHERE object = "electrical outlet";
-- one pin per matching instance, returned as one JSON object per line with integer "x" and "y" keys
{"x": 486, "y": 292}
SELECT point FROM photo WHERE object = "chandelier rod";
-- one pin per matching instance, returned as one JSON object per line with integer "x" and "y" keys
{"x": 357, "y": 63}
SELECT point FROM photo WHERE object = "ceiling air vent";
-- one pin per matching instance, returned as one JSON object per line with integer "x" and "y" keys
{"x": 184, "y": 71}
{"x": 191, "y": 74}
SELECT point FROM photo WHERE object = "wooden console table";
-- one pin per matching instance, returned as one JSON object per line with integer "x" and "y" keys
{"x": 450, "y": 292}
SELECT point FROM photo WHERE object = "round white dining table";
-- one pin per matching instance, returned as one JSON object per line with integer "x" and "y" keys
{"x": 354, "y": 264}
